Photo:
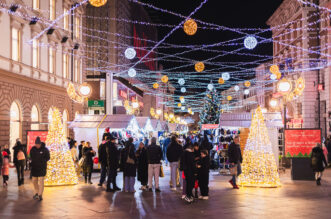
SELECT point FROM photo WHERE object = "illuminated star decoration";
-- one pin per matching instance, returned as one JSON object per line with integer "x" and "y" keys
{"x": 225, "y": 76}
{"x": 250, "y": 42}
{"x": 183, "y": 90}
{"x": 132, "y": 72}
{"x": 181, "y": 81}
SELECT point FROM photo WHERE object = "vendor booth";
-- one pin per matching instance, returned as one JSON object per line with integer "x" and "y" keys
{"x": 145, "y": 125}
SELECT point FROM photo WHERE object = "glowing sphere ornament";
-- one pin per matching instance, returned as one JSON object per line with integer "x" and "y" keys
{"x": 179, "y": 105}
{"x": 221, "y": 81}
{"x": 229, "y": 98}
{"x": 183, "y": 90}
{"x": 274, "y": 69}
{"x": 273, "y": 77}
{"x": 190, "y": 27}
{"x": 246, "y": 91}
{"x": 250, "y": 42}
{"x": 132, "y": 72}
{"x": 247, "y": 84}
{"x": 236, "y": 88}
{"x": 130, "y": 53}
{"x": 181, "y": 81}
{"x": 210, "y": 86}
{"x": 199, "y": 66}
{"x": 98, "y": 3}
{"x": 164, "y": 79}
{"x": 182, "y": 108}
{"x": 155, "y": 85}
{"x": 226, "y": 76}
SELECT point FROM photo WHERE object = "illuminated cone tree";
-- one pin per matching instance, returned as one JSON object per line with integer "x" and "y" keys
{"x": 259, "y": 167}
{"x": 60, "y": 168}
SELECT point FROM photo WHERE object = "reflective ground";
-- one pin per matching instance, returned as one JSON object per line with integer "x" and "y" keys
{"x": 299, "y": 199}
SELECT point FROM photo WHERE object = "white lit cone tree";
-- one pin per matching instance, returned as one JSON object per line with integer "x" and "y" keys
{"x": 60, "y": 168}
{"x": 259, "y": 167}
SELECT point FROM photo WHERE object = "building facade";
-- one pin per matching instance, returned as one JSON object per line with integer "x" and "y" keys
{"x": 36, "y": 66}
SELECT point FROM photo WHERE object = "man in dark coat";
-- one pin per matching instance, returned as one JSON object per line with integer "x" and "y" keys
{"x": 189, "y": 169}
{"x": 235, "y": 159}
{"x": 113, "y": 164}
{"x": 80, "y": 150}
{"x": 19, "y": 161}
{"x": 154, "y": 156}
{"x": 174, "y": 152}
{"x": 318, "y": 162}
{"x": 39, "y": 156}
{"x": 102, "y": 155}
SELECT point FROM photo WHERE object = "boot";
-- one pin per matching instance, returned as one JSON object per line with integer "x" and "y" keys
{"x": 89, "y": 178}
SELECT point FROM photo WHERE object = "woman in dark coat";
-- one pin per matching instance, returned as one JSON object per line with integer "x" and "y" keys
{"x": 88, "y": 154}
{"x": 142, "y": 161}
{"x": 128, "y": 162}
{"x": 19, "y": 161}
{"x": 317, "y": 161}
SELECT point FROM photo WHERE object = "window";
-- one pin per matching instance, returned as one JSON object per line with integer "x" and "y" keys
{"x": 16, "y": 38}
{"x": 77, "y": 70}
{"x": 65, "y": 119}
{"x": 35, "y": 53}
{"x": 35, "y": 118}
{"x": 51, "y": 60}
{"x": 65, "y": 66}
{"x": 35, "y": 4}
{"x": 77, "y": 27}
{"x": 15, "y": 124}
{"x": 52, "y": 9}
{"x": 66, "y": 19}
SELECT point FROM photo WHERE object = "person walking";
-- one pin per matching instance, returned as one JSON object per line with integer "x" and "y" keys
{"x": 154, "y": 156}
{"x": 166, "y": 142}
{"x": 112, "y": 164}
{"x": 318, "y": 162}
{"x": 39, "y": 155}
{"x": 128, "y": 161}
{"x": 6, "y": 148}
{"x": 141, "y": 155}
{"x": 174, "y": 152}
{"x": 203, "y": 174}
{"x": 88, "y": 154}
{"x": 4, "y": 166}
{"x": 102, "y": 155}
{"x": 189, "y": 169}
{"x": 19, "y": 161}
{"x": 235, "y": 160}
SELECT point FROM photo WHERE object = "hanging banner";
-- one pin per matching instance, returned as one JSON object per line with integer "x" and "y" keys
{"x": 32, "y": 135}
{"x": 209, "y": 126}
{"x": 300, "y": 142}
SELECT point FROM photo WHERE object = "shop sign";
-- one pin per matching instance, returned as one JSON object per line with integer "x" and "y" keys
{"x": 123, "y": 94}
{"x": 209, "y": 126}
{"x": 96, "y": 103}
{"x": 300, "y": 142}
{"x": 32, "y": 135}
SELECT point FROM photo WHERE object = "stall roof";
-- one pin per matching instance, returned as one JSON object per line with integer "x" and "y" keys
{"x": 142, "y": 121}
{"x": 272, "y": 120}
{"x": 118, "y": 121}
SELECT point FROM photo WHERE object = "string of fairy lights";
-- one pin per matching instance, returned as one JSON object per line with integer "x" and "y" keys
{"x": 188, "y": 75}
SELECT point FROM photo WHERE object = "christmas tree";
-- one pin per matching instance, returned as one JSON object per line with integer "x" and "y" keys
{"x": 259, "y": 166}
{"x": 60, "y": 168}
{"x": 210, "y": 113}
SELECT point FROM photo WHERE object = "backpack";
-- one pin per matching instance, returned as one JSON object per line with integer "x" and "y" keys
{"x": 20, "y": 155}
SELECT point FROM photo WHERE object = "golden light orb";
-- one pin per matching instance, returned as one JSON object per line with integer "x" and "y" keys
{"x": 221, "y": 81}
{"x": 247, "y": 84}
{"x": 164, "y": 79}
{"x": 199, "y": 66}
{"x": 190, "y": 27}
{"x": 155, "y": 85}
{"x": 274, "y": 69}
{"x": 98, "y": 3}
{"x": 229, "y": 98}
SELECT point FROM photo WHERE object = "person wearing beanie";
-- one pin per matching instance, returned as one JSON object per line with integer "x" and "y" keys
{"x": 39, "y": 157}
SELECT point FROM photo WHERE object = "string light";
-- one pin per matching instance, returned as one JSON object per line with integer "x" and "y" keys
{"x": 221, "y": 81}
{"x": 155, "y": 85}
{"x": 210, "y": 86}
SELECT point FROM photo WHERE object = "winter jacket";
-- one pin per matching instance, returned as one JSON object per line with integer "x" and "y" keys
{"x": 128, "y": 169}
{"x": 102, "y": 153}
{"x": 88, "y": 154}
{"x": 188, "y": 162}
{"x": 112, "y": 156}
{"x": 206, "y": 145}
{"x": 174, "y": 152}
{"x": 318, "y": 159}
{"x": 234, "y": 153}
{"x": 141, "y": 155}
{"x": 80, "y": 151}
{"x": 5, "y": 166}
{"x": 166, "y": 142}
{"x": 39, "y": 158}
{"x": 18, "y": 147}
{"x": 154, "y": 154}
{"x": 204, "y": 166}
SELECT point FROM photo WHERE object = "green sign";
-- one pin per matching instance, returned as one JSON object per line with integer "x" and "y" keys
{"x": 96, "y": 103}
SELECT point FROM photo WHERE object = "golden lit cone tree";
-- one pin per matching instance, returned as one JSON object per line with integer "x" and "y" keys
{"x": 259, "y": 167}
{"x": 60, "y": 168}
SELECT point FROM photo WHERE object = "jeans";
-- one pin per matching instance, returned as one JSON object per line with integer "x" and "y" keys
{"x": 153, "y": 171}
{"x": 189, "y": 177}
{"x": 20, "y": 171}
{"x": 203, "y": 184}
{"x": 165, "y": 155}
{"x": 184, "y": 187}
{"x": 103, "y": 173}
{"x": 181, "y": 178}
{"x": 238, "y": 173}
{"x": 173, "y": 171}
{"x": 38, "y": 185}
{"x": 129, "y": 183}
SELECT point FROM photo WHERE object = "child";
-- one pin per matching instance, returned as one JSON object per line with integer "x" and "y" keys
{"x": 5, "y": 168}
{"x": 203, "y": 174}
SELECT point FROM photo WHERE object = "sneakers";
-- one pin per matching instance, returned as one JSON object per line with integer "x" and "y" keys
{"x": 40, "y": 198}
{"x": 318, "y": 181}
{"x": 205, "y": 197}
{"x": 173, "y": 189}
{"x": 100, "y": 184}
{"x": 183, "y": 197}
{"x": 200, "y": 197}
{"x": 188, "y": 199}
{"x": 36, "y": 196}
{"x": 109, "y": 190}
{"x": 150, "y": 190}
{"x": 231, "y": 182}
{"x": 117, "y": 189}
{"x": 235, "y": 187}
{"x": 157, "y": 190}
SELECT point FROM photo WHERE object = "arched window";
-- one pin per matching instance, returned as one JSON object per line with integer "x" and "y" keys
{"x": 15, "y": 124}
{"x": 65, "y": 122}
{"x": 35, "y": 118}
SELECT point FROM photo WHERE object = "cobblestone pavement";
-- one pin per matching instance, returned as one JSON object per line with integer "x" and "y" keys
{"x": 295, "y": 199}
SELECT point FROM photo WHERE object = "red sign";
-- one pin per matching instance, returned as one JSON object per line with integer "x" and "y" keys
{"x": 209, "y": 126}
{"x": 141, "y": 104}
{"x": 123, "y": 94}
{"x": 32, "y": 135}
{"x": 297, "y": 121}
{"x": 300, "y": 142}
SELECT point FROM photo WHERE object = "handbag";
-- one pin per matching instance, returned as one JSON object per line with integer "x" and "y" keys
{"x": 129, "y": 160}
{"x": 161, "y": 171}
{"x": 81, "y": 161}
{"x": 233, "y": 170}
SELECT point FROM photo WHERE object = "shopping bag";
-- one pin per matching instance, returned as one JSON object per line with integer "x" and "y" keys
{"x": 233, "y": 170}
{"x": 161, "y": 171}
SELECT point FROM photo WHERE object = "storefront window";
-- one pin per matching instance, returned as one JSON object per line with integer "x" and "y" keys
{"x": 35, "y": 118}
{"x": 15, "y": 124}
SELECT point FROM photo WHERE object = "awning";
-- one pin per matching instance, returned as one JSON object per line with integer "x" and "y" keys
{"x": 272, "y": 120}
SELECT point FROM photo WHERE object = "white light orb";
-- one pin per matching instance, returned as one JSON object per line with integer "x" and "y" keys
{"x": 130, "y": 53}
{"x": 159, "y": 111}
{"x": 273, "y": 77}
{"x": 132, "y": 72}
{"x": 284, "y": 86}
{"x": 273, "y": 103}
{"x": 85, "y": 90}
{"x": 182, "y": 108}
{"x": 182, "y": 100}
{"x": 210, "y": 87}
{"x": 183, "y": 89}
{"x": 250, "y": 42}
{"x": 225, "y": 76}
{"x": 181, "y": 81}
{"x": 246, "y": 91}
{"x": 236, "y": 88}
{"x": 135, "y": 105}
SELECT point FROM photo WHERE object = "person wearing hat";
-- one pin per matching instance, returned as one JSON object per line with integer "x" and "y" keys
{"x": 112, "y": 163}
{"x": 19, "y": 161}
{"x": 39, "y": 156}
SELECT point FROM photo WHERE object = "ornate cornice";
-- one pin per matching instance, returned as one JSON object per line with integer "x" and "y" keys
{"x": 284, "y": 12}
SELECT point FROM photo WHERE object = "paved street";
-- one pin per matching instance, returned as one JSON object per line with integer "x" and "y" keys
{"x": 293, "y": 200}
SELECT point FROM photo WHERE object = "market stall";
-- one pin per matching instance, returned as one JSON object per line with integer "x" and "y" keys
{"x": 145, "y": 126}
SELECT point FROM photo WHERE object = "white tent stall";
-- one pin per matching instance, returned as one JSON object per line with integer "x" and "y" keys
{"x": 145, "y": 125}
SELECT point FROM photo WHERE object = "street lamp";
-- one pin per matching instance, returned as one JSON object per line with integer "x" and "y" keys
{"x": 273, "y": 102}
{"x": 85, "y": 90}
